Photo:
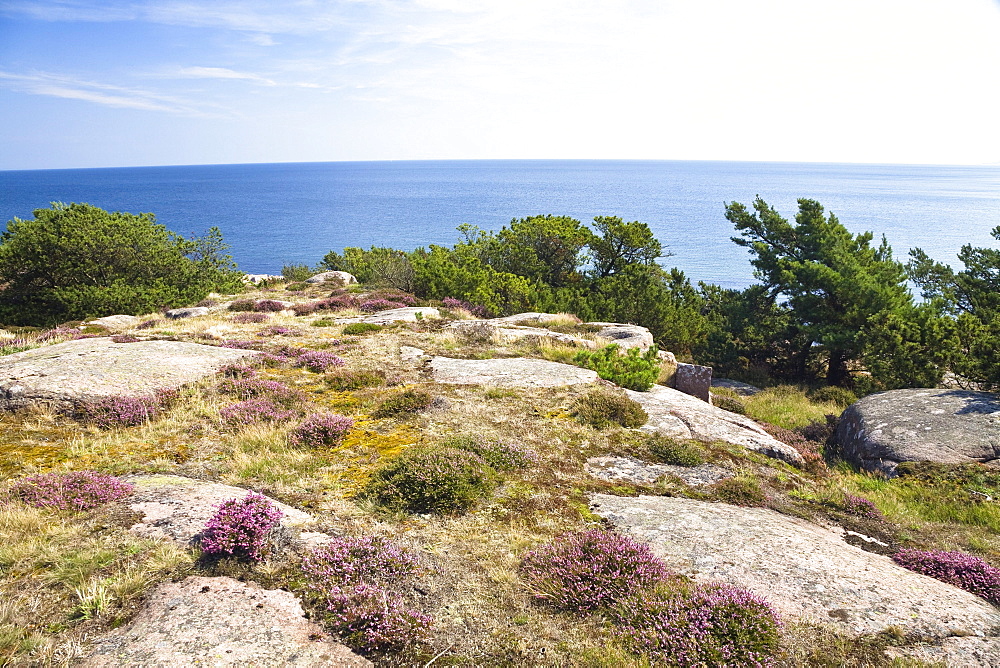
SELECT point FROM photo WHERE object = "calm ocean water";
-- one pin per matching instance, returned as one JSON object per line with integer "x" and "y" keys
{"x": 272, "y": 214}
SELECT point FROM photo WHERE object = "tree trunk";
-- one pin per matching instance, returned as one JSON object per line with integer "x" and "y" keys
{"x": 837, "y": 374}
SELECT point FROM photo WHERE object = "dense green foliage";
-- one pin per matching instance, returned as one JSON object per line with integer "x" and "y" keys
{"x": 635, "y": 370}
{"x": 602, "y": 408}
{"x": 78, "y": 261}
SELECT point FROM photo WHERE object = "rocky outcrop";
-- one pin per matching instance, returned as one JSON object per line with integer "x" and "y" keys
{"x": 254, "y": 279}
{"x": 673, "y": 413}
{"x": 932, "y": 425}
{"x": 626, "y": 336}
{"x": 219, "y": 622}
{"x": 115, "y": 322}
{"x": 340, "y": 277}
{"x": 529, "y": 318}
{"x": 742, "y": 389}
{"x": 695, "y": 380}
{"x": 176, "y": 508}
{"x": 489, "y": 329}
{"x": 630, "y": 469}
{"x": 65, "y": 374}
{"x": 804, "y": 570}
{"x": 189, "y": 312}
{"x": 406, "y": 314}
{"x": 516, "y": 372}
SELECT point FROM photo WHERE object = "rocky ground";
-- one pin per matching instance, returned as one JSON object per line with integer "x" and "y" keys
{"x": 127, "y": 584}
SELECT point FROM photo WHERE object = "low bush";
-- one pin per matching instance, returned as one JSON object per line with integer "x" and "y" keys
{"x": 149, "y": 324}
{"x": 362, "y": 328}
{"x": 708, "y": 625}
{"x": 861, "y": 507}
{"x": 589, "y": 570}
{"x": 307, "y": 308}
{"x": 407, "y": 401}
{"x": 249, "y": 318}
{"x": 242, "y": 305}
{"x": 280, "y": 330}
{"x": 241, "y": 527}
{"x": 76, "y": 490}
{"x": 268, "y": 306}
{"x": 668, "y": 450}
{"x": 239, "y": 344}
{"x": 238, "y": 371}
{"x": 124, "y": 338}
{"x": 841, "y": 396}
{"x": 501, "y": 455}
{"x": 319, "y": 360}
{"x": 321, "y": 429}
{"x": 121, "y": 411}
{"x": 635, "y": 370}
{"x": 956, "y": 568}
{"x": 250, "y": 387}
{"x": 355, "y": 582}
{"x": 811, "y": 451}
{"x": 297, "y": 272}
{"x": 252, "y": 411}
{"x": 454, "y": 304}
{"x": 376, "y": 305}
{"x": 297, "y": 286}
{"x": 727, "y": 403}
{"x": 208, "y": 302}
{"x": 344, "y": 380}
{"x": 740, "y": 491}
{"x": 601, "y": 408}
{"x": 432, "y": 479}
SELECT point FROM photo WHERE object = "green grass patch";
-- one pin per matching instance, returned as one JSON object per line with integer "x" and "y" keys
{"x": 788, "y": 406}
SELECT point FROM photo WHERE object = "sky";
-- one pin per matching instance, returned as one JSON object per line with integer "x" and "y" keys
{"x": 101, "y": 83}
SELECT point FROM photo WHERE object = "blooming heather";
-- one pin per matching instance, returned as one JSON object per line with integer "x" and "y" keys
{"x": 592, "y": 569}
{"x": 76, "y": 490}
{"x": 253, "y": 411}
{"x": 322, "y": 429}
{"x": 710, "y": 625}
{"x": 122, "y": 411}
{"x": 280, "y": 330}
{"x": 240, "y": 527}
{"x": 452, "y": 303}
{"x": 357, "y": 582}
{"x": 861, "y": 507}
{"x": 373, "y": 305}
{"x": 319, "y": 360}
{"x": 249, "y": 318}
{"x": 956, "y": 568}
{"x": 253, "y": 388}
{"x": 268, "y": 305}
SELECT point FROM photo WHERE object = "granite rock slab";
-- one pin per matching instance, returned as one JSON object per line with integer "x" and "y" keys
{"x": 630, "y": 469}
{"x": 65, "y": 374}
{"x": 406, "y": 314}
{"x": 806, "y": 571}
{"x": 341, "y": 277}
{"x": 931, "y": 425}
{"x": 176, "y": 508}
{"x": 513, "y": 372}
{"x": 219, "y": 621}
{"x": 673, "y": 413}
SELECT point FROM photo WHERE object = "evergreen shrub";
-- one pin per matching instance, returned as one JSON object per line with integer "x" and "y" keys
{"x": 635, "y": 370}
{"x": 601, "y": 408}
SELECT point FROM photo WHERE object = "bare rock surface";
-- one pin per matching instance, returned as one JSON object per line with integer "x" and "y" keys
{"x": 532, "y": 318}
{"x": 189, "y": 312}
{"x": 626, "y": 336}
{"x": 176, "y": 508}
{"x": 411, "y": 354}
{"x": 67, "y": 373}
{"x": 630, "y": 469}
{"x": 742, "y": 389}
{"x": 932, "y": 425}
{"x": 116, "y": 322}
{"x": 695, "y": 380}
{"x": 489, "y": 328}
{"x": 515, "y": 372}
{"x": 804, "y": 570}
{"x": 406, "y": 314}
{"x": 342, "y": 277}
{"x": 220, "y": 622}
{"x": 673, "y": 413}
{"x": 967, "y": 652}
{"x": 261, "y": 278}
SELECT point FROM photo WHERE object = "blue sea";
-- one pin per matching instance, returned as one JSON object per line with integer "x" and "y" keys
{"x": 276, "y": 214}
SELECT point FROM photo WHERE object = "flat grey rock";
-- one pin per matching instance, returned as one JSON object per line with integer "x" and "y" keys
{"x": 261, "y": 278}
{"x": 406, "y": 314}
{"x": 967, "y": 652}
{"x": 515, "y": 372}
{"x": 116, "y": 322}
{"x": 66, "y": 374}
{"x": 742, "y": 389}
{"x": 189, "y": 312}
{"x": 931, "y": 425}
{"x": 176, "y": 508}
{"x": 219, "y": 622}
{"x": 518, "y": 333}
{"x": 522, "y": 318}
{"x": 630, "y": 469}
{"x": 411, "y": 354}
{"x": 341, "y": 277}
{"x": 673, "y": 413}
{"x": 804, "y": 570}
{"x": 626, "y": 336}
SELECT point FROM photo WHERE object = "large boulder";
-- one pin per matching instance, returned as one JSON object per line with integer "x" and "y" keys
{"x": 515, "y": 372}
{"x": 943, "y": 426}
{"x": 804, "y": 570}
{"x": 116, "y": 322}
{"x": 63, "y": 375}
{"x": 673, "y": 413}
{"x": 626, "y": 336}
{"x": 219, "y": 621}
{"x": 188, "y": 312}
{"x": 405, "y": 314}
{"x": 341, "y": 277}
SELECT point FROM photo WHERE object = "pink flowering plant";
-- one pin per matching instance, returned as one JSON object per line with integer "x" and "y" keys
{"x": 249, "y": 318}
{"x": 256, "y": 388}
{"x": 124, "y": 411}
{"x": 319, "y": 360}
{"x": 357, "y": 583}
{"x": 588, "y": 570}
{"x": 861, "y": 507}
{"x": 956, "y": 568}
{"x": 253, "y": 411}
{"x": 241, "y": 527}
{"x": 707, "y": 625}
{"x": 375, "y": 305}
{"x": 76, "y": 490}
{"x": 453, "y": 304}
{"x": 321, "y": 429}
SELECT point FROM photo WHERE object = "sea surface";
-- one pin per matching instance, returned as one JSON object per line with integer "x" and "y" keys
{"x": 276, "y": 214}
